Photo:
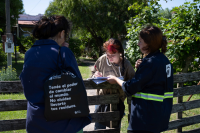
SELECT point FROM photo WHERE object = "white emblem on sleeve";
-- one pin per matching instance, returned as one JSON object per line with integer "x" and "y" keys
{"x": 168, "y": 70}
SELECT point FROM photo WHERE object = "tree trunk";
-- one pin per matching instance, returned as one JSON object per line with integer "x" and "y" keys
{"x": 188, "y": 60}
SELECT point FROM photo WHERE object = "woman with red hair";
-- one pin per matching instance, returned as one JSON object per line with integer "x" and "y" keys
{"x": 113, "y": 63}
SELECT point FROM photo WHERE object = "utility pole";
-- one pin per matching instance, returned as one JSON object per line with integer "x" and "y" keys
{"x": 9, "y": 36}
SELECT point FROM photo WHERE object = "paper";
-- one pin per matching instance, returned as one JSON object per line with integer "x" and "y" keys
{"x": 96, "y": 78}
{"x": 99, "y": 80}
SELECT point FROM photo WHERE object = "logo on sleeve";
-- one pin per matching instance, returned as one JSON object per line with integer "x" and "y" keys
{"x": 168, "y": 70}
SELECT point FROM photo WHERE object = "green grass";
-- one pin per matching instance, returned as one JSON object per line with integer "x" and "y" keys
{"x": 9, "y": 115}
{"x": 85, "y": 71}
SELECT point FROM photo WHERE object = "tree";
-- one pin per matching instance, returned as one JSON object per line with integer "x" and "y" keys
{"x": 146, "y": 14}
{"x": 103, "y": 19}
{"x": 166, "y": 13}
{"x": 182, "y": 31}
{"x": 184, "y": 37}
{"x": 16, "y": 8}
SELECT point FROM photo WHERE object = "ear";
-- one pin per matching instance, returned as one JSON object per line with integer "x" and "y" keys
{"x": 62, "y": 34}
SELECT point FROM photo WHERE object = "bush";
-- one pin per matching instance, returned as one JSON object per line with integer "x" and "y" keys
{"x": 8, "y": 74}
{"x": 25, "y": 43}
{"x": 2, "y": 55}
{"x": 76, "y": 47}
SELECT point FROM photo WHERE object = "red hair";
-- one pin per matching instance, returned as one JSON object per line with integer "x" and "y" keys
{"x": 110, "y": 47}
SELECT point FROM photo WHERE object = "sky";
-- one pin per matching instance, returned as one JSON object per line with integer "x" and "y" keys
{"x": 35, "y": 7}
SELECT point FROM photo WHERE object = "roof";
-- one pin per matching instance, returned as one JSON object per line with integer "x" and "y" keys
{"x": 27, "y": 17}
{"x": 26, "y": 22}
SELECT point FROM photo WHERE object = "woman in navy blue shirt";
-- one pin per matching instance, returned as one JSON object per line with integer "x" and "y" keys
{"x": 40, "y": 62}
{"x": 152, "y": 86}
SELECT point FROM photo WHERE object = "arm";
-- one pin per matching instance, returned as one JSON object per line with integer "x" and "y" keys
{"x": 96, "y": 68}
{"x": 117, "y": 80}
{"x": 144, "y": 75}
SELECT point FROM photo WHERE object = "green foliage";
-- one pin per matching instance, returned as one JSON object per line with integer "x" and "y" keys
{"x": 2, "y": 55}
{"x": 166, "y": 13}
{"x": 146, "y": 15}
{"x": 76, "y": 47}
{"x": 16, "y": 8}
{"x": 8, "y": 74}
{"x": 101, "y": 18}
{"x": 182, "y": 31}
{"x": 25, "y": 43}
{"x": 184, "y": 37}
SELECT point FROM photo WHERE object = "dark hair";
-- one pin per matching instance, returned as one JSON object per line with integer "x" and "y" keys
{"x": 154, "y": 38}
{"x": 50, "y": 27}
{"x": 117, "y": 47}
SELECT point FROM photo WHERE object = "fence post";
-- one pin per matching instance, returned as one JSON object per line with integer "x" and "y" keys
{"x": 113, "y": 107}
{"x": 179, "y": 114}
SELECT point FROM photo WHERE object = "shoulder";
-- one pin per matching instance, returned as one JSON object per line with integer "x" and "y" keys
{"x": 154, "y": 61}
{"x": 66, "y": 51}
{"x": 102, "y": 58}
{"x": 127, "y": 63}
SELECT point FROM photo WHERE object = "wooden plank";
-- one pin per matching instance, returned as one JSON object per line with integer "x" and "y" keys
{"x": 186, "y": 106}
{"x": 105, "y": 116}
{"x": 113, "y": 107}
{"x": 184, "y": 122}
{"x": 10, "y": 86}
{"x": 193, "y": 131}
{"x": 103, "y": 99}
{"x": 15, "y": 86}
{"x": 183, "y": 91}
{"x": 179, "y": 114}
{"x": 111, "y": 130}
{"x": 8, "y": 125}
{"x": 17, "y": 124}
{"x": 14, "y": 105}
{"x": 186, "y": 77}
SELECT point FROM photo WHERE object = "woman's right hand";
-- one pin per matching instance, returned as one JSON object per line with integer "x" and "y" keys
{"x": 138, "y": 62}
{"x": 97, "y": 74}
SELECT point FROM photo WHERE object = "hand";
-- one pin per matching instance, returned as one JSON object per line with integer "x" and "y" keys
{"x": 65, "y": 44}
{"x": 97, "y": 74}
{"x": 111, "y": 79}
{"x": 138, "y": 62}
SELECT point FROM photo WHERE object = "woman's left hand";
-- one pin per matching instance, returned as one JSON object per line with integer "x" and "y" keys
{"x": 111, "y": 79}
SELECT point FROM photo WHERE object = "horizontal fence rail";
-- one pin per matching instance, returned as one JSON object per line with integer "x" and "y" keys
{"x": 17, "y": 124}
{"x": 15, "y": 86}
{"x": 14, "y": 105}
{"x": 186, "y": 77}
{"x": 184, "y": 122}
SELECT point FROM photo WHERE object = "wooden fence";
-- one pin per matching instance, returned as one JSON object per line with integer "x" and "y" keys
{"x": 181, "y": 106}
{"x": 113, "y": 115}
